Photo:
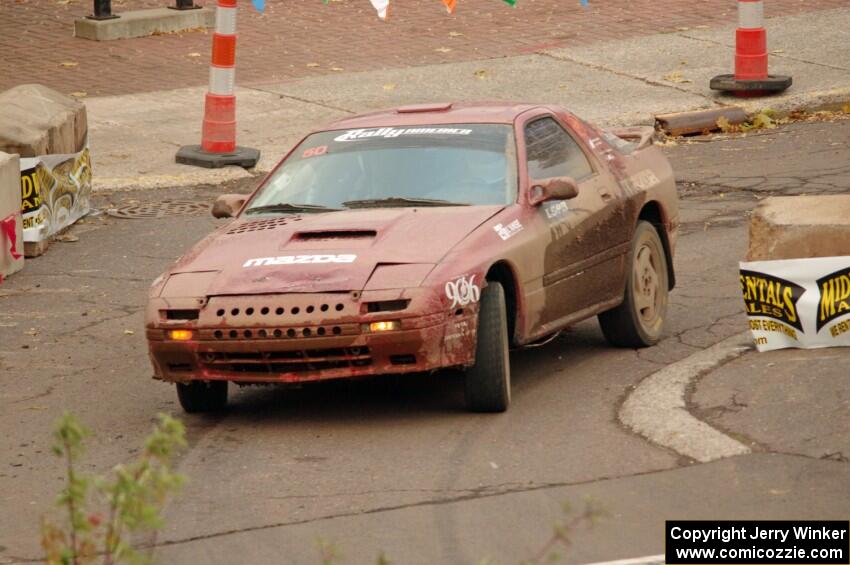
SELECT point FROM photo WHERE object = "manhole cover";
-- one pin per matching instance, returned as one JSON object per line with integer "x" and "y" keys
{"x": 160, "y": 209}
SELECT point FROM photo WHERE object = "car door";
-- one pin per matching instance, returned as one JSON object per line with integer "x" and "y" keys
{"x": 582, "y": 260}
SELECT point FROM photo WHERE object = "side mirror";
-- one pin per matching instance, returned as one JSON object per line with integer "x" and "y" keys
{"x": 555, "y": 188}
{"x": 227, "y": 205}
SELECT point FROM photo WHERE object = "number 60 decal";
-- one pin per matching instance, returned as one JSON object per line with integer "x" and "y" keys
{"x": 315, "y": 151}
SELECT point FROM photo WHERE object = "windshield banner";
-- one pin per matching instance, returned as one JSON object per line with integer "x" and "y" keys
{"x": 55, "y": 192}
{"x": 801, "y": 303}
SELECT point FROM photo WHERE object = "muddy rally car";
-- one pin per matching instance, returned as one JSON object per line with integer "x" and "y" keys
{"x": 417, "y": 239}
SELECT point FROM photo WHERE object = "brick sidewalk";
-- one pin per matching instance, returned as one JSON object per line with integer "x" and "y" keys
{"x": 297, "y": 38}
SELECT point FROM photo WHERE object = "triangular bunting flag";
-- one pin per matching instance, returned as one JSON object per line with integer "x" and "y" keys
{"x": 382, "y": 6}
{"x": 450, "y": 5}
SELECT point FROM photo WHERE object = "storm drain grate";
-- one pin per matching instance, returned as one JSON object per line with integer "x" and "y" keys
{"x": 161, "y": 209}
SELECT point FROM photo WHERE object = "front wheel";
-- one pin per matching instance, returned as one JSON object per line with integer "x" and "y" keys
{"x": 488, "y": 382}
{"x": 639, "y": 320}
{"x": 202, "y": 396}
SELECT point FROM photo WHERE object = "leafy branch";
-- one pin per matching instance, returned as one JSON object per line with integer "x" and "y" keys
{"x": 133, "y": 495}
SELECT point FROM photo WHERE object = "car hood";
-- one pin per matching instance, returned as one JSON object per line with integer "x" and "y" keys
{"x": 329, "y": 252}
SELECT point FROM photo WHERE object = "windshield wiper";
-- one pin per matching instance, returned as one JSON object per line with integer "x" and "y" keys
{"x": 287, "y": 207}
{"x": 398, "y": 201}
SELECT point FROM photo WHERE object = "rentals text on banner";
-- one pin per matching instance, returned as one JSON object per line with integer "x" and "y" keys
{"x": 798, "y": 302}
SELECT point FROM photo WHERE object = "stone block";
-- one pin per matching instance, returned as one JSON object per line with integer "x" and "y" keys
{"x": 141, "y": 23}
{"x": 36, "y": 120}
{"x": 10, "y": 215}
{"x": 799, "y": 227}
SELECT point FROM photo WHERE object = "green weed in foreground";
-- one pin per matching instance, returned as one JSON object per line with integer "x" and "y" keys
{"x": 103, "y": 513}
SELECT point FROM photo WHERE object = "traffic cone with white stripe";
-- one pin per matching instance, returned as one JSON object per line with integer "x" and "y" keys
{"x": 751, "y": 78}
{"x": 218, "y": 136}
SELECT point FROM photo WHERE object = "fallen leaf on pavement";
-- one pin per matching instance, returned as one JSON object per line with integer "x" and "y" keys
{"x": 337, "y": 69}
{"x": 79, "y": 94}
{"x": 313, "y": 65}
{"x": 195, "y": 54}
{"x": 443, "y": 49}
{"x": 67, "y": 238}
{"x": 389, "y": 86}
{"x": 724, "y": 125}
{"x": 455, "y": 34}
{"x": 68, "y": 64}
{"x": 846, "y": 108}
{"x": 129, "y": 332}
{"x": 481, "y": 73}
{"x": 675, "y": 77}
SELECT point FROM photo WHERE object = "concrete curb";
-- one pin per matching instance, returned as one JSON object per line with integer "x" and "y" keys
{"x": 656, "y": 408}
{"x": 142, "y": 23}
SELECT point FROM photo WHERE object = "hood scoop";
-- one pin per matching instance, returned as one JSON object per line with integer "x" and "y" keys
{"x": 335, "y": 234}
{"x": 342, "y": 240}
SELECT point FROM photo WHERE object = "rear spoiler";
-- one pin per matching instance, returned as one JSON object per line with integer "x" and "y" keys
{"x": 642, "y": 135}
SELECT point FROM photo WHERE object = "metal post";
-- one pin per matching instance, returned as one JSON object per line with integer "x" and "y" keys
{"x": 184, "y": 5}
{"x": 102, "y": 10}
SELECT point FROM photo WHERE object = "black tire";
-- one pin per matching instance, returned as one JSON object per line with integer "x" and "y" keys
{"x": 202, "y": 396}
{"x": 488, "y": 382}
{"x": 639, "y": 320}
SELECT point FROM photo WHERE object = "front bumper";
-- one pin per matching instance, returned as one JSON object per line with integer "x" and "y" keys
{"x": 303, "y": 337}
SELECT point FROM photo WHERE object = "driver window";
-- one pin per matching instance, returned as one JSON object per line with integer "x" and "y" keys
{"x": 552, "y": 152}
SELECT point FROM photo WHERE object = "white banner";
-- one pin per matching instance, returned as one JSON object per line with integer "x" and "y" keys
{"x": 798, "y": 302}
{"x": 55, "y": 192}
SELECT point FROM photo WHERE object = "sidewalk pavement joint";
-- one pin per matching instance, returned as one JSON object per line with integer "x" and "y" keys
{"x": 772, "y": 54}
{"x": 300, "y": 99}
{"x": 649, "y": 81}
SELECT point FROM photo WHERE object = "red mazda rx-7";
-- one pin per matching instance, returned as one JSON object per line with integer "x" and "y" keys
{"x": 417, "y": 239}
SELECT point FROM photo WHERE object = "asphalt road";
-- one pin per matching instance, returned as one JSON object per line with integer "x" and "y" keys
{"x": 395, "y": 465}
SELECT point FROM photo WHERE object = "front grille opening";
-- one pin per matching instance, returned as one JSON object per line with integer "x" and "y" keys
{"x": 387, "y": 305}
{"x": 270, "y": 362}
{"x": 179, "y": 367}
{"x": 407, "y": 359}
{"x": 182, "y": 315}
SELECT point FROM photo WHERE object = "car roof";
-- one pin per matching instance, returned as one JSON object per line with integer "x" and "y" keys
{"x": 437, "y": 114}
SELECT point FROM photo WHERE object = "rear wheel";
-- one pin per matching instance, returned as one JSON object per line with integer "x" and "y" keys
{"x": 488, "y": 382}
{"x": 202, "y": 396}
{"x": 639, "y": 320}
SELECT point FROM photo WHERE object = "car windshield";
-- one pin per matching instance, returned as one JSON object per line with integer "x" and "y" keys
{"x": 442, "y": 165}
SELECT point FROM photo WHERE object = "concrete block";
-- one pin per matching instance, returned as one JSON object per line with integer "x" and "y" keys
{"x": 10, "y": 208}
{"x": 798, "y": 227}
{"x": 35, "y": 248}
{"x": 141, "y": 23}
{"x": 36, "y": 120}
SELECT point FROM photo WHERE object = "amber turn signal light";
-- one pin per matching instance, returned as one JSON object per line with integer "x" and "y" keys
{"x": 384, "y": 326}
{"x": 180, "y": 335}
